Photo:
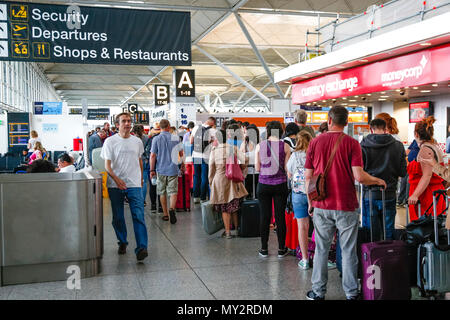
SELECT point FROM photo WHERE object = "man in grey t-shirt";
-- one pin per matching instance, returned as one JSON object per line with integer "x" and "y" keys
{"x": 166, "y": 149}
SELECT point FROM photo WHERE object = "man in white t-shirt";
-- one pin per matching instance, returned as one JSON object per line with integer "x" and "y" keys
{"x": 65, "y": 163}
{"x": 202, "y": 138}
{"x": 123, "y": 162}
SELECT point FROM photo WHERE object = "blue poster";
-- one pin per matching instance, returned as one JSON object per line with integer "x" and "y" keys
{"x": 50, "y": 127}
{"x": 52, "y": 108}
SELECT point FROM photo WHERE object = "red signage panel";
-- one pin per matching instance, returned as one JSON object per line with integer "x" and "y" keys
{"x": 413, "y": 69}
{"x": 419, "y": 111}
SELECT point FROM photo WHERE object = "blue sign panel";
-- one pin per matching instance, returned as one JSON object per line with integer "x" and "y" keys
{"x": 48, "y": 108}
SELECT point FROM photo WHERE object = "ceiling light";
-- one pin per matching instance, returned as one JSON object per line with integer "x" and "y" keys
{"x": 352, "y": 100}
{"x": 381, "y": 99}
{"x": 398, "y": 90}
{"x": 369, "y": 94}
{"x": 434, "y": 85}
{"x": 363, "y": 60}
{"x": 356, "y": 96}
{"x": 425, "y": 91}
{"x": 320, "y": 72}
{"x": 346, "y": 98}
{"x": 384, "y": 96}
{"x": 324, "y": 100}
{"x": 383, "y": 92}
{"x": 425, "y": 44}
{"x": 415, "y": 88}
{"x": 344, "y": 104}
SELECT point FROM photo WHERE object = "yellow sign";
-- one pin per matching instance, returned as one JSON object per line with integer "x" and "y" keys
{"x": 20, "y": 49}
{"x": 319, "y": 117}
{"x": 41, "y": 50}
{"x": 19, "y": 12}
{"x": 309, "y": 117}
{"x": 358, "y": 117}
{"x": 19, "y": 31}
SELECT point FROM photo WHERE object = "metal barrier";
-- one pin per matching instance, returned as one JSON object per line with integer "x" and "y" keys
{"x": 375, "y": 21}
{"x": 50, "y": 222}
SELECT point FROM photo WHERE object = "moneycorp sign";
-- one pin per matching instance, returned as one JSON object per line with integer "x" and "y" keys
{"x": 414, "y": 69}
{"x": 81, "y": 34}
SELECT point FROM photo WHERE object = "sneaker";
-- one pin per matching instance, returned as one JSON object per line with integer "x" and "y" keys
{"x": 312, "y": 296}
{"x": 142, "y": 254}
{"x": 263, "y": 253}
{"x": 353, "y": 298}
{"x": 196, "y": 200}
{"x": 122, "y": 248}
{"x": 283, "y": 253}
{"x": 331, "y": 265}
{"x": 173, "y": 217}
{"x": 228, "y": 236}
{"x": 303, "y": 264}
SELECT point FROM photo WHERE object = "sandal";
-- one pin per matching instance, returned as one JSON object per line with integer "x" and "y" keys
{"x": 165, "y": 218}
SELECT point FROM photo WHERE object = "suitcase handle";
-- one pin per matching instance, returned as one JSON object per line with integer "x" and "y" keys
{"x": 383, "y": 205}
{"x": 436, "y": 195}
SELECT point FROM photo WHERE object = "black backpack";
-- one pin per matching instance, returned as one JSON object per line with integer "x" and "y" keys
{"x": 202, "y": 139}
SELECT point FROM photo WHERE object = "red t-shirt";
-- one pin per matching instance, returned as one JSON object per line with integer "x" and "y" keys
{"x": 340, "y": 183}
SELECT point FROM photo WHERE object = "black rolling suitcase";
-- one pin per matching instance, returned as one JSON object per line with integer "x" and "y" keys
{"x": 249, "y": 216}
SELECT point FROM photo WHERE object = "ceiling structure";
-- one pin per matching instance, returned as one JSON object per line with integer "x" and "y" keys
{"x": 227, "y": 67}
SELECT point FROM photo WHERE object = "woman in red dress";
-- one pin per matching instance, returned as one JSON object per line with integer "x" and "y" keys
{"x": 422, "y": 180}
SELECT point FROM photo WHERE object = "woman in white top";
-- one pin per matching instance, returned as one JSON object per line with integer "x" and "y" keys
{"x": 32, "y": 142}
{"x": 248, "y": 147}
{"x": 296, "y": 174}
{"x": 291, "y": 132}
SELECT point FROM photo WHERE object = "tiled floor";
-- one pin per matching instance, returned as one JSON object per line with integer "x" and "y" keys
{"x": 185, "y": 263}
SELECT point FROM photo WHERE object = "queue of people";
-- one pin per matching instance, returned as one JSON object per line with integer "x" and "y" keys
{"x": 286, "y": 162}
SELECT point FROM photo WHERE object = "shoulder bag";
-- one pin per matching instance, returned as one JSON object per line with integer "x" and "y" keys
{"x": 317, "y": 185}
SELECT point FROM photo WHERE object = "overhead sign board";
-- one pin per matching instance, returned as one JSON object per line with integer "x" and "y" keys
{"x": 81, "y": 34}
{"x": 132, "y": 107}
{"x": 185, "y": 83}
{"x": 412, "y": 69}
{"x": 48, "y": 108}
{"x": 162, "y": 94}
{"x": 98, "y": 114}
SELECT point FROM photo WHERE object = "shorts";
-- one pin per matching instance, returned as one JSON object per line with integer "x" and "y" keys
{"x": 300, "y": 205}
{"x": 166, "y": 184}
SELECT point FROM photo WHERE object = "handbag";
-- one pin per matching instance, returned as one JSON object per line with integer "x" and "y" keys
{"x": 233, "y": 170}
{"x": 317, "y": 186}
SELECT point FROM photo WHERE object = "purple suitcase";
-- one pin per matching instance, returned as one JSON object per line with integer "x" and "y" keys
{"x": 385, "y": 270}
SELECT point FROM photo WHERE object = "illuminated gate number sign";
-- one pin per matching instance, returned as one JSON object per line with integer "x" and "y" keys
{"x": 185, "y": 83}
{"x": 162, "y": 94}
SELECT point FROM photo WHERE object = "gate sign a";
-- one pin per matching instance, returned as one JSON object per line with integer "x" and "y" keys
{"x": 93, "y": 35}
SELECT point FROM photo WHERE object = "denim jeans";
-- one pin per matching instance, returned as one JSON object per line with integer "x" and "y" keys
{"x": 377, "y": 219}
{"x": 136, "y": 203}
{"x": 201, "y": 183}
{"x": 146, "y": 174}
{"x": 325, "y": 223}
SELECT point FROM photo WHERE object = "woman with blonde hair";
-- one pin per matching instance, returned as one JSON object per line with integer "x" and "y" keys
{"x": 391, "y": 124}
{"x": 227, "y": 195}
{"x": 38, "y": 152}
{"x": 422, "y": 180}
{"x": 296, "y": 173}
{"x": 32, "y": 141}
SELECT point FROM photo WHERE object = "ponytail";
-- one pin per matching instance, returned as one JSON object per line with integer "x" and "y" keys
{"x": 425, "y": 129}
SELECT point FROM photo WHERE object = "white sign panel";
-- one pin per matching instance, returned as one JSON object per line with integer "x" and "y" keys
{"x": 159, "y": 113}
{"x": 186, "y": 112}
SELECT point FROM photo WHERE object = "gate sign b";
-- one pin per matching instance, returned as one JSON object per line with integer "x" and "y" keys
{"x": 162, "y": 94}
{"x": 185, "y": 83}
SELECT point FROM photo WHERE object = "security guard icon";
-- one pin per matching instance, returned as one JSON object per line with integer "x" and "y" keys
{"x": 19, "y": 12}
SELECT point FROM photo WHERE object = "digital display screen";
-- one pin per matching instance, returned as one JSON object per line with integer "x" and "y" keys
{"x": 419, "y": 111}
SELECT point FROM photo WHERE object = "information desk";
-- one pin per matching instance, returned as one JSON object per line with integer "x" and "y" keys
{"x": 51, "y": 226}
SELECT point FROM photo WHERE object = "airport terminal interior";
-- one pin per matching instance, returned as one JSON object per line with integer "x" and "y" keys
{"x": 72, "y": 71}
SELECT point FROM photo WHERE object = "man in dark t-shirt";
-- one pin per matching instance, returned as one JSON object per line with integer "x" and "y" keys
{"x": 339, "y": 209}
